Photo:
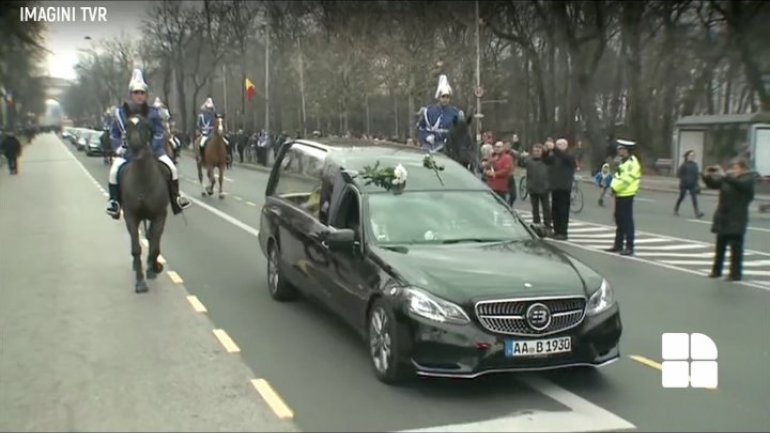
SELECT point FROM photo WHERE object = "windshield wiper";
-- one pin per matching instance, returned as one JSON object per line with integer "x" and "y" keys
{"x": 462, "y": 240}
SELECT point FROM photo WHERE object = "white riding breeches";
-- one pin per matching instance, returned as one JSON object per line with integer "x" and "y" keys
{"x": 205, "y": 138}
{"x": 117, "y": 162}
{"x": 170, "y": 164}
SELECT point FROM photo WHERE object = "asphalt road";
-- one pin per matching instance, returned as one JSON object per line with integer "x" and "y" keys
{"x": 321, "y": 370}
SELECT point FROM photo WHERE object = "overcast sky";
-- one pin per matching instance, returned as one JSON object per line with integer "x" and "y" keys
{"x": 64, "y": 39}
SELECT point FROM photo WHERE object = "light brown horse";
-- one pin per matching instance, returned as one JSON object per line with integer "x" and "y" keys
{"x": 214, "y": 156}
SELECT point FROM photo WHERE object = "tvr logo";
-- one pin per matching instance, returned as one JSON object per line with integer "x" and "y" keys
{"x": 689, "y": 360}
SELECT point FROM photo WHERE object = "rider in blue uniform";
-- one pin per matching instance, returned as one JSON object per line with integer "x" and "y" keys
{"x": 207, "y": 122}
{"x": 136, "y": 105}
{"x": 435, "y": 120}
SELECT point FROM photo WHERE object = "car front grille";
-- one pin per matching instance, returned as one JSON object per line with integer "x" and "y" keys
{"x": 509, "y": 316}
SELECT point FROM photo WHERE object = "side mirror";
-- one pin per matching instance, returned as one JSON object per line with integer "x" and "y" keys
{"x": 339, "y": 239}
{"x": 538, "y": 229}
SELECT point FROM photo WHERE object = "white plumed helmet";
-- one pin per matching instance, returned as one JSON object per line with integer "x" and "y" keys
{"x": 137, "y": 82}
{"x": 443, "y": 87}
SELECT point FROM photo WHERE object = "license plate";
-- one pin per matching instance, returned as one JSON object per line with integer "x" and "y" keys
{"x": 548, "y": 346}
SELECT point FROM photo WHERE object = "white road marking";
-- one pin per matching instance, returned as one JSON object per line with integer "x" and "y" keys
{"x": 588, "y": 230}
{"x": 251, "y": 203}
{"x": 237, "y": 198}
{"x": 671, "y": 247}
{"x": 665, "y": 254}
{"x": 650, "y": 241}
{"x": 688, "y": 262}
{"x": 636, "y": 258}
{"x": 592, "y": 236}
{"x": 228, "y": 179}
{"x": 756, "y": 229}
{"x": 583, "y": 417}
{"x": 234, "y": 221}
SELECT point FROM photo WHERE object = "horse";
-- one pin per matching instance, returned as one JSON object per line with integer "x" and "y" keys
{"x": 460, "y": 145}
{"x": 214, "y": 156}
{"x": 144, "y": 197}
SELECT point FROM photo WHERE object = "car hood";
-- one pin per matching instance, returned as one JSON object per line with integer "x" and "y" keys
{"x": 474, "y": 271}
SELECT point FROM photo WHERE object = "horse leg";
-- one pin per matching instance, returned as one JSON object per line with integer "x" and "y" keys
{"x": 157, "y": 226}
{"x": 212, "y": 179}
{"x": 221, "y": 180}
{"x": 132, "y": 224}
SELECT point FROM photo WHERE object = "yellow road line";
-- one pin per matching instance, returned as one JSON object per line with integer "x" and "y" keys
{"x": 276, "y": 403}
{"x": 226, "y": 341}
{"x": 161, "y": 260}
{"x": 646, "y": 361}
{"x": 196, "y": 304}
{"x": 653, "y": 364}
{"x": 175, "y": 277}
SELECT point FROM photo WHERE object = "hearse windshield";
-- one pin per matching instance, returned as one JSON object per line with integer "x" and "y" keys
{"x": 441, "y": 217}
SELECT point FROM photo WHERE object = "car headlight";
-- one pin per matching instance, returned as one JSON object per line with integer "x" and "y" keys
{"x": 433, "y": 308}
{"x": 601, "y": 300}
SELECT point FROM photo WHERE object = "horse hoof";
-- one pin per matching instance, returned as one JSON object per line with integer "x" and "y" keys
{"x": 141, "y": 287}
{"x": 151, "y": 275}
{"x": 203, "y": 193}
{"x": 156, "y": 268}
{"x": 222, "y": 195}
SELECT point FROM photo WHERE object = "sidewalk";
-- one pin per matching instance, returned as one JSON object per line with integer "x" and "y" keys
{"x": 79, "y": 350}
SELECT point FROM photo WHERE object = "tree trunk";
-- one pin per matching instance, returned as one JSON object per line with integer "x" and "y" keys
{"x": 411, "y": 108}
{"x": 180, "y": 95}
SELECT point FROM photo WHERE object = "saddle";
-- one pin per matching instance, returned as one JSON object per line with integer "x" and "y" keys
{"x": 121, "y": 171}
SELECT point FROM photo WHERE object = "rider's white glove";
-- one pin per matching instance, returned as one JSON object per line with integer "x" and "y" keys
{"x": 430, "y": 139}
{"x": 121, "y": 150}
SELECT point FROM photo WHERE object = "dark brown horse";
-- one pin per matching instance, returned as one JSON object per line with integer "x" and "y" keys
{"x": 144, "y": 197}
{"x": 214, "y": 156}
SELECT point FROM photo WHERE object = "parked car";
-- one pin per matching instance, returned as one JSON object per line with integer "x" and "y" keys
{"x": 441, "y": 278}
{"x": 94, "y": 144}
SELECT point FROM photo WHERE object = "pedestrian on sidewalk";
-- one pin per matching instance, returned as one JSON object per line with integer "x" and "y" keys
{"x": 688, "y": 175}
{"x": 736, "y": 192}
{"x": 498, "y": 170}
{"x": 12, "y": 150}
{"x": 561, "y": 174}
{"x": 625, "y": 185}
{"x": 511, "y": 178}
{"x": 537, "y": 185}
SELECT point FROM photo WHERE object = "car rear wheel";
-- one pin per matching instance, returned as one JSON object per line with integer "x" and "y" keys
{"x": 279, "y": 288}
{"x": 387, "y": 340}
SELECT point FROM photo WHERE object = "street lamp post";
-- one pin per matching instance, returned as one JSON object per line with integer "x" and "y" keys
{"x": 478, "y": 76}
{"x": 766, "y": 86}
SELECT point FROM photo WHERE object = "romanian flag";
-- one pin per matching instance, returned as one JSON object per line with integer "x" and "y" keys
{"x": 251, "y": 90}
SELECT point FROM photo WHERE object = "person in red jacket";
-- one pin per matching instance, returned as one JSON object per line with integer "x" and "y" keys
{"x": 498, "y": 170}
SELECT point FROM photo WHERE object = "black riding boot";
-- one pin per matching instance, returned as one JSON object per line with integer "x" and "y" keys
{"x": 113, "y": 206}
{"x": 178, "y": 203}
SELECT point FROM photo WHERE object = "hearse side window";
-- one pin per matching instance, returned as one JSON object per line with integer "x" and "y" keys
{"x": 299, "y": 177}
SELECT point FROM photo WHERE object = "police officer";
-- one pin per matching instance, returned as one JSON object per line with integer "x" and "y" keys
{"x": 625, "y": 185}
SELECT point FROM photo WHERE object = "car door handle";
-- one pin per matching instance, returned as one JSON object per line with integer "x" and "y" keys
{"x": 275, "y": 210}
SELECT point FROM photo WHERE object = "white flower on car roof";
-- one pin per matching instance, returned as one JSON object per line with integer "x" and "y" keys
{"x": 399, "y": 175}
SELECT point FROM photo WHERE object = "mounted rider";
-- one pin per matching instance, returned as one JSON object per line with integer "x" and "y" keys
{"x": 165, "y": 115}
{"x": 136, "y": 105}
{"x": 435, "y": 120}
{"x": 207, "y": 122}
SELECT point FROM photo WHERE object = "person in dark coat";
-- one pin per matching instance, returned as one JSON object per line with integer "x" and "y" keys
{"x": 12, "y": 150}
{"x": 561, "y": 174}
{"x": 736, "y": 192}
{"x": 537, "y": 185}
{"x": 688, "y": 175}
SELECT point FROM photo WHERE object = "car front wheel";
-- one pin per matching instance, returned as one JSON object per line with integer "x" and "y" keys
{"x": 387, "y": 340}
{"x": 279, "y": 288}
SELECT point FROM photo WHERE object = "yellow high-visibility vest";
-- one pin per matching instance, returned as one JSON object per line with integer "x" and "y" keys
{"x": 626, "y": 181}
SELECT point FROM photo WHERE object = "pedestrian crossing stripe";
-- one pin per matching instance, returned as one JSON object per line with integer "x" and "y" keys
{"x": 695, "y": 257}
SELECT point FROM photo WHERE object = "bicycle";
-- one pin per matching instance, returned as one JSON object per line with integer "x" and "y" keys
{"x": 523, "y": 192}
{"x": 576, "y": 196}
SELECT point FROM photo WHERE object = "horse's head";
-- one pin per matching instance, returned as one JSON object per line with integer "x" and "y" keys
{"x": 138, "y": 132}
{"x": 220, "y": 124}
{"x": 459, "y": 136}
